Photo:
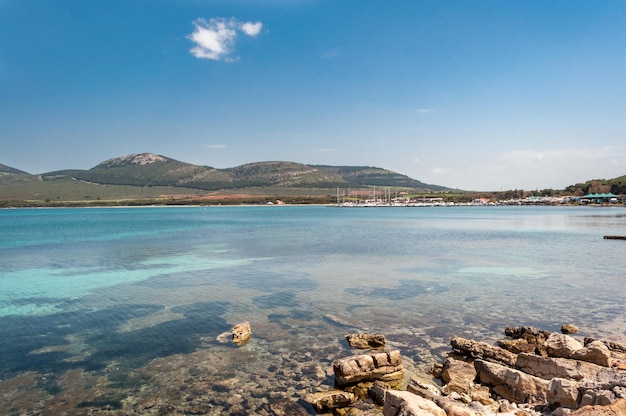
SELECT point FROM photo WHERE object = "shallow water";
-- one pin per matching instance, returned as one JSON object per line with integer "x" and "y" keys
{"x": 120, "y": 309}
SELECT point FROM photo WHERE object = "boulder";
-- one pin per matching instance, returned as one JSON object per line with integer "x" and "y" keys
{"x": 561, "y": 345}
{"x": 594, "y": 352}
{"x": 458, "y": 376}
{"x": 551, "y": 367}
{"x": 365, "y": 341}
{"x": 404, "y": 403}
{"x": 530, "y": 334}
{"x": 327, "y": 400}
{"x": 569, "y": 329}
{"x": 384, "y": 366}
{"x": 511, "y": 384}
{"x": 563, "y": 393}
{"x": 483, "y": 351}
{"x": 241, "y": 333}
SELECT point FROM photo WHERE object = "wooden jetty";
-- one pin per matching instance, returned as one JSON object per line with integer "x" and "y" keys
{"x": 615, "y": 237}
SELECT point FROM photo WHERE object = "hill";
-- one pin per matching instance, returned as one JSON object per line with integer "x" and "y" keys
{"x": 148, "y": 169}
{"x": 148, "y": 175}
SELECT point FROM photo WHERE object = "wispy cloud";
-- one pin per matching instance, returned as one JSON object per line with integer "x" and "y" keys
{"x": 333, "y": 53}
{"x": 217, "y": 146}
{"x": 215, "y": 38}
{"x": 424, "y": 110}
{"x": 327, "y": 150}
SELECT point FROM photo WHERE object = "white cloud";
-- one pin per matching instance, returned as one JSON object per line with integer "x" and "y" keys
{"x": 215, "y": 38}
{"x": 252, "y": 29}
{"x": 328, "y": 150}
{"x": 217, "y": 146}
{"x": 424, "y": 110}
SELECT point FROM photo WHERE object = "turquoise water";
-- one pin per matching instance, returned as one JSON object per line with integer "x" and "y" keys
{"x": 91, "y": 290}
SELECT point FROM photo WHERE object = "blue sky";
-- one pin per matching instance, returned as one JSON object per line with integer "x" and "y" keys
{"x": 477, "y": 95}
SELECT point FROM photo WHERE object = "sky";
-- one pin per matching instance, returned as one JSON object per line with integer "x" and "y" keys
{"x": 476, "y": 95}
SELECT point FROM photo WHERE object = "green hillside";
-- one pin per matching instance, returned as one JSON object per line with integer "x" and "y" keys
{"x": 148, "y": 175}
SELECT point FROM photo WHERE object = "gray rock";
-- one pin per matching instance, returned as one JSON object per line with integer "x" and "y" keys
{"x": 404, "y": 403}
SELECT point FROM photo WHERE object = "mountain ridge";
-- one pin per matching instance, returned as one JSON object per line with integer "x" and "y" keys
{"x": 150, "y": 169}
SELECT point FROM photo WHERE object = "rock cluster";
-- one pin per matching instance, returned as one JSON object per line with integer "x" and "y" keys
{"x": 532, "y": 373}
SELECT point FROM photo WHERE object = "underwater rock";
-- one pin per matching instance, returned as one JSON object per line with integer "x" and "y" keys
{"x": 241, "y": 333}
{"x": 365, "y": 341}
{"x": 327, "y": 400}
{"x": 384, "y": 366}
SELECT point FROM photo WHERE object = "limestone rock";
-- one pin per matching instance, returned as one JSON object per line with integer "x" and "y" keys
{"x": 241, "y": 333}
{"x": 458, "y": 375}
{"x": 551, "y": 367}
{"x": 569, "y": 329}
{"x": 563, "y": 393}
{"x": 364, "y": 341}
{"x": 327, "y": 400}
{"x": 483, "y": 351}
{"x": 595, "y": 352}
{"x": 615, "y": 409}
{"x": 404, "y": 403}
{"x": 561, "y": 345}
{"x": 531, "y": 334}
{"x": 513, "y": 385}
{"x": 608, "y": 386}
{"x": 384, "y": 366}
{"x": 450, "y": 406}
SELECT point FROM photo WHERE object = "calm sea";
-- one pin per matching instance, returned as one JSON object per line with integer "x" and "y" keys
{"x": 120, "y": 309}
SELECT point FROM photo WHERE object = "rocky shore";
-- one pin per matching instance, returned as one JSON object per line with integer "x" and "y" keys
{"x": 531, "y": 373}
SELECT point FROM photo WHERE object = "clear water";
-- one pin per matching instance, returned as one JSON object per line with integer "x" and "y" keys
{"x": 111, "y": 294}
